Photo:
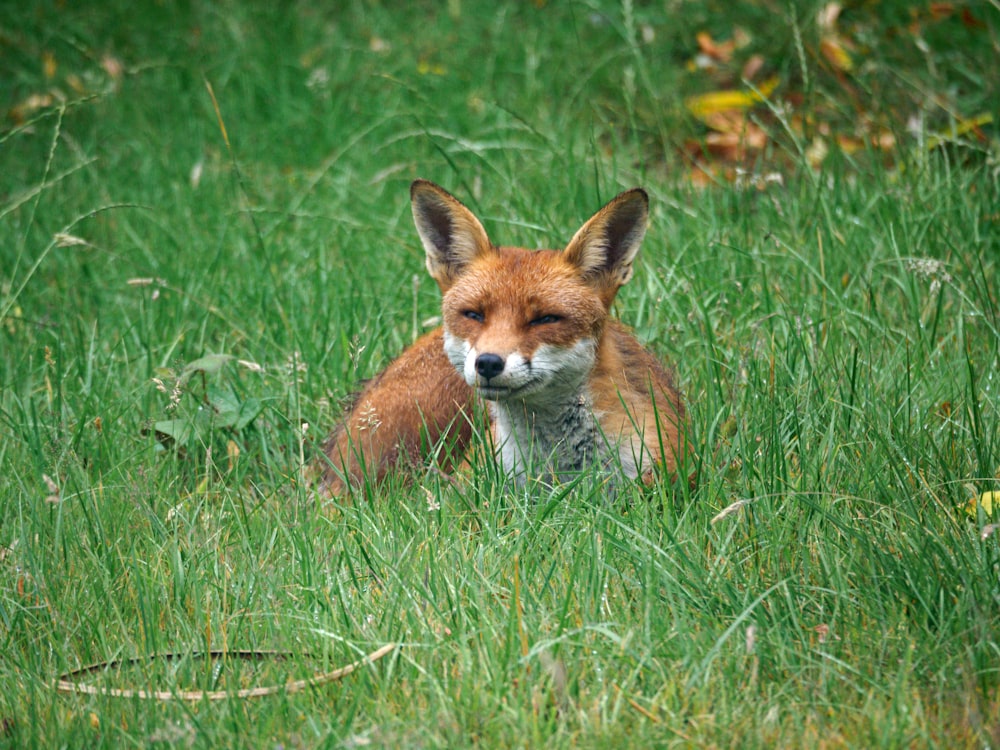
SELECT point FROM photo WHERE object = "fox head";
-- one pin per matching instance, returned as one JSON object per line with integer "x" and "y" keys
{"x": 522, "y": 324}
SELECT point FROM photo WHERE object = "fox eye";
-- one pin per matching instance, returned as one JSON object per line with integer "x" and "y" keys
{"x": 545, "y": 320}
{"x": 474, "y": 315}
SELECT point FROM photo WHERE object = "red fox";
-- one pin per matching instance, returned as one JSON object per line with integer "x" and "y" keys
{"x": 528, "y": 332}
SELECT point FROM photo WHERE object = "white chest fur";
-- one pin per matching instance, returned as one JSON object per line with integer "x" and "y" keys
{"x": 557, "y": 441}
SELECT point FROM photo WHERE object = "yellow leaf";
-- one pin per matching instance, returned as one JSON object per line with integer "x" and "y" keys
{"x": 963, "y": 127}
{"x": 76, "y": 83}
{"x": 435, "y": 69}
{"x": 835, "y": 54}
{"x": 987, "y": 501}
{"x": 703, "y": 105}
{"x": 49, "y": 65}
{"x": 232, "y": 453}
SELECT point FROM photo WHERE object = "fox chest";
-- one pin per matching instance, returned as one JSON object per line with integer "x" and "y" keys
{"x": 557, "y": 443}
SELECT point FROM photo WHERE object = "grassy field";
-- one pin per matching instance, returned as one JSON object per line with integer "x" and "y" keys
{"x": 205, "y": 244}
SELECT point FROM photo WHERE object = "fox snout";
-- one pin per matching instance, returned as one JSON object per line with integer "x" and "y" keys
{"x": 489, "y": 365}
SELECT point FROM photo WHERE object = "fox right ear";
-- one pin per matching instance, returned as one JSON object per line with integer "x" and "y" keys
{"x": 451, "y": 235}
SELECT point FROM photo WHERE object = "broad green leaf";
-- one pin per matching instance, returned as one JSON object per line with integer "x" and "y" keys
{"x": 209, "y": 364}
{"x": 179, "y": 430}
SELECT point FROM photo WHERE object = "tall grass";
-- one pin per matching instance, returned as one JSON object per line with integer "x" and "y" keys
{"x": 183, "y": 315}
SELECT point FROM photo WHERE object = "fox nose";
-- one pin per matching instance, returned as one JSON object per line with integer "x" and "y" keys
{"x": 489, "y": 365}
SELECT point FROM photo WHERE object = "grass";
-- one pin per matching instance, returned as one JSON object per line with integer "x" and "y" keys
{"x": 836, "y": 335}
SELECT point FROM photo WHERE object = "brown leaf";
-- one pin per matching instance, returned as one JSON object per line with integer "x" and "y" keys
{"x": 941, "y": 10}
{"x": 20, "y": 112}
{"x": 113, "y": 67}
{"x": 76, "y": 83}
{"x": 53, "y": 488}
{"x": 49, "y": 65}
{"x": 885, "y": 140}
{"x": 725, "y": 121}
{"x": 752, "y": 67}
{"x": 970, "y": 21}
{"x": 816, "y": 152}
{"x": 833, "y": 49}
{"x": 849, "y": 144}
{"x": 723, "y": 52}
{"x": 735, "y": 145}
{"x": 823, "y": 631}
{"x": 699, "y": 177}
{"x": 827, "y": 17}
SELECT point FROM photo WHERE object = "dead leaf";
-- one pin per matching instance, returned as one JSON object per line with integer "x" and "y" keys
{"x": 752, "y": 67}
{"x": 817, "y": 152}
{"x": 827, "y": 17}
{"x": 702, "y": 105}
{"x": 232, "y": 454}
{"x": 76, "y": 83}
{"x": 721, "y": 51}
{"x": 885, "y": 140}
{"x": 113, "y": 67}
{"x": 849, "y": 144}
{"x": 962, "y": 127}
{"x": 987, "y": 501}
{"x": 833, "y": 49}
{"x": 734, "y": 146}
{"x": 49, "y": 65}
{"x": 970, "y": 21}
{"x": 53, "y": 488}
{"x": 882, "y": 141}
{"x": 20, "y": 112}
{"x": 700, "y": 176}
{"x": 823, "y": 632}
{"x": 939, "y": 11}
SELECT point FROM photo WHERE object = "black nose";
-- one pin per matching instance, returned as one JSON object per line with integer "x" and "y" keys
{"x": 489, "y": 365}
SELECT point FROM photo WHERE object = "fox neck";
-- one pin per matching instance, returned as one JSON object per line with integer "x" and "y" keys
{"x": 553, "y": 434}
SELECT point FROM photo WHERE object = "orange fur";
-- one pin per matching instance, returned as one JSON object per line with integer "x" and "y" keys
{"x": 417, "y": 402}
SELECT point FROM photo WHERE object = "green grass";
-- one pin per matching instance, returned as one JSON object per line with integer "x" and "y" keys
{"x": 836, "y": 335}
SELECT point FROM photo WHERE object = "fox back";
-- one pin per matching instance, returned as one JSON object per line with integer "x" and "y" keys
{"x": 529, "y": 333}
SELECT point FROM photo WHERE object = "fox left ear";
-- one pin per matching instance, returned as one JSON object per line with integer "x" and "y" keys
{"x": 606, "y": 245}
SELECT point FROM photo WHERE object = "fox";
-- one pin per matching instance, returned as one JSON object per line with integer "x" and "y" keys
{"x": 530, "y": 335}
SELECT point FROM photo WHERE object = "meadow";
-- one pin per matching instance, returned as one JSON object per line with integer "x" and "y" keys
{"x": 206, "y": 245}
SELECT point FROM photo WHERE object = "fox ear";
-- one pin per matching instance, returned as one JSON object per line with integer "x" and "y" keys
{"x": 451, "y": 235}
{"x": 604, "y": 248}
